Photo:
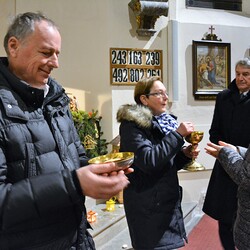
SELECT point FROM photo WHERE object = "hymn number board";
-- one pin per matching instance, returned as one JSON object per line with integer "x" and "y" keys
{"x": 128, "y": 66}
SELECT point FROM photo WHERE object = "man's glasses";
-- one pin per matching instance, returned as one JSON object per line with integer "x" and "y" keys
{"x": 158, "y": 94}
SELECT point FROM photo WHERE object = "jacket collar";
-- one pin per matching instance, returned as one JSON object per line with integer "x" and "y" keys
{"x": 32, "y": 97}
{"x": 139, "y": 114}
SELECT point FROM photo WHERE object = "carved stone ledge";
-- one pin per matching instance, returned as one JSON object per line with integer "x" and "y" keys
{"x": 147, "y": 12}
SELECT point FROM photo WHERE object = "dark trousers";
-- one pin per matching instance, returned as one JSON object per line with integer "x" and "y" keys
{"x": 226, "y": 235}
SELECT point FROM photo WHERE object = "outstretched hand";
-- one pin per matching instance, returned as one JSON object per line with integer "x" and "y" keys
{"x": 214, "y": 149}
{"x": 102, "y": 181}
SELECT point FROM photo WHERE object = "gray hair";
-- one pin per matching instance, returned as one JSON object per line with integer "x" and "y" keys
{"x": 243, "y": 63}
{"x": 23, "y": 25}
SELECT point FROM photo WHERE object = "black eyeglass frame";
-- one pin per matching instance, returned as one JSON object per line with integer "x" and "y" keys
{"x": 158, "y": 94}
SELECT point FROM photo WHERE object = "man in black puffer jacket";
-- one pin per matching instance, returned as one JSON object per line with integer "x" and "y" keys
{"x": 42, "y": 187}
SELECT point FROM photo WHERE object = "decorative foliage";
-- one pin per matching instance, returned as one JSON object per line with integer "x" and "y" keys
{"x": 89, "y": 130}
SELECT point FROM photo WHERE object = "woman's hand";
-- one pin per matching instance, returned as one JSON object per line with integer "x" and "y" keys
{"x": 191, "y": 151}
{"x": 185, "y": 128}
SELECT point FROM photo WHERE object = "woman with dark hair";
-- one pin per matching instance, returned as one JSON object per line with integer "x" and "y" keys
{"x": 153, "y": 199}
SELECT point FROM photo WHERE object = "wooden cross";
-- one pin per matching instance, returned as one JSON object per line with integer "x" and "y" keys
{"x": 211, "y": 36}
{"x": 212, "y": 29}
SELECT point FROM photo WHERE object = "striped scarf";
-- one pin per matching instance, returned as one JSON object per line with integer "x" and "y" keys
{"x": 167, "y": 122}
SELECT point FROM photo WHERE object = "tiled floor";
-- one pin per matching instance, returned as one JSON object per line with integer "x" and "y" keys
{"x": 120, "y": 242}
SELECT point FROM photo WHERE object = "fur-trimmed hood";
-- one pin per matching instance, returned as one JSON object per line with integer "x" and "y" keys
{"x": 139, "y": 114}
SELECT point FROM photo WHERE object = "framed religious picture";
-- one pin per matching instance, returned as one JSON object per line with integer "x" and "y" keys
{"x": 211, "y": 68}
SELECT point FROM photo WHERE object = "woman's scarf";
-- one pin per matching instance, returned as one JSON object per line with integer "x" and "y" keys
{"x": 167, "y": 122}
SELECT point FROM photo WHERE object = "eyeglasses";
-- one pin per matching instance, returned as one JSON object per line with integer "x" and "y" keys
{"x": 158, "y": 94}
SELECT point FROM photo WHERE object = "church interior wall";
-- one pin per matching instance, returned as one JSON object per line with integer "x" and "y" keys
{"x": 90, "y": 28}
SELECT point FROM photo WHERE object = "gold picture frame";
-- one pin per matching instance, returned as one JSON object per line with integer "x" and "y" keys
{"x": 211, "y": 68}
{"x": 128, "y": 65}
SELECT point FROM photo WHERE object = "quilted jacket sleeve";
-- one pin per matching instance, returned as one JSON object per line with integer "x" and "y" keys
{"x": 152, "y": 153}
{"x": 237, "y": 165}
{"x": 31, "y": 198}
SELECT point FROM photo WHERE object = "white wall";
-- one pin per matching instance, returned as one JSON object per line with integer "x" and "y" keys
{"x": 184, "y": 25}
{"x": 90, "y": 28}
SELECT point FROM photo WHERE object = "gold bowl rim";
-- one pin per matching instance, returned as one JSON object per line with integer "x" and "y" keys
{"x": 112, "y": 157}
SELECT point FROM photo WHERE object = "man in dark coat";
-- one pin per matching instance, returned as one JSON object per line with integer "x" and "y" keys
{"x": 231, "y": 123}
{"x": 43, "y": 183}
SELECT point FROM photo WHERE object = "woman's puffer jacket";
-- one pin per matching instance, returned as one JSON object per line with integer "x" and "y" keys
{"x": 41, "y": 206}
{"x": 152, "y": 200}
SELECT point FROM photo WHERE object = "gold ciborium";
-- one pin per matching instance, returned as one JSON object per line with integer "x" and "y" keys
{"x": 194, "y": 138}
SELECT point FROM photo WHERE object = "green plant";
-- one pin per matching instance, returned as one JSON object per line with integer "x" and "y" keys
{"x": 89, "y": 130}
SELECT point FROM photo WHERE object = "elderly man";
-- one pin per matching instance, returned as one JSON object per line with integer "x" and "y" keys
{"x": 231, "y": 123}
